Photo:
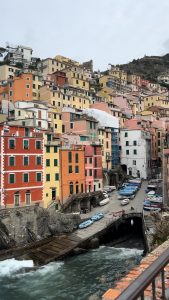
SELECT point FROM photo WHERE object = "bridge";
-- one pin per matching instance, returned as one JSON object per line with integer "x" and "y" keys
{"x": 148, "y": 281}
{"x": 57, "y": 247}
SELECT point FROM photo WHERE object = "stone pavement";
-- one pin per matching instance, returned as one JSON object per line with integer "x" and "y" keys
{"x": 112, "y": 294}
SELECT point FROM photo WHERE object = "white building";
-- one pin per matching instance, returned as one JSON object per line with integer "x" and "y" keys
{"x": 136, "y": 152}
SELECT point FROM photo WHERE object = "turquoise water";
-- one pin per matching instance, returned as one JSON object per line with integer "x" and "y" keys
{"x": 82, "y": 277}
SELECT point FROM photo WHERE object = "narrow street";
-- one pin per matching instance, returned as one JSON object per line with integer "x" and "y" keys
{"x": 111, "y": 212}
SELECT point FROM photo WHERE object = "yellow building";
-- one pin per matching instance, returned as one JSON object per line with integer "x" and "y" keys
{"x": 55, "y": 119}
{"x": 7, "y": 72}
{"x": 37, "y": 83}
{"x": 59, "y": 98}
{"x": 105, "y": 141}
{"x": 77, "y": 77}
{"x": 51, "y": 165}
{"x": 119, "y": 74}
{"x": 156, "y": 100}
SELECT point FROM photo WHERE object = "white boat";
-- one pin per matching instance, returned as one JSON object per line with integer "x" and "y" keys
{"x": 151, "y": 193}
{"x": 125, "y": 201}
{"x": 104, "y": 202}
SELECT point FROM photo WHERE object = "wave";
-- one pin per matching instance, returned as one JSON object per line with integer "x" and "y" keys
{"x": 50, "y": 268}
{"x": 12, "y": 266}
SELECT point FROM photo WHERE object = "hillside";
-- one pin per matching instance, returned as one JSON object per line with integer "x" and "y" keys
{"x": 149, "y": 67}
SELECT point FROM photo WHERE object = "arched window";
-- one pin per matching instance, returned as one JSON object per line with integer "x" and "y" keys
{"x": 71, "y": 187}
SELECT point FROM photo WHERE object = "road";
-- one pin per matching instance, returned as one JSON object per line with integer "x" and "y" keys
{"x": 110, "y": 211}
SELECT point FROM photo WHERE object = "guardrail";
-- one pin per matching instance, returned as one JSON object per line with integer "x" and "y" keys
{"x": 136, "y": 289}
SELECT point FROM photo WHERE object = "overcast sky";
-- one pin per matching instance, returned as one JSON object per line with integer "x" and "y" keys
{"x": 107, "y": 31}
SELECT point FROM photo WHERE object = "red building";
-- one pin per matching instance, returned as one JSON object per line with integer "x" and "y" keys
{"x": 59, "y": 78}
{"x": 21, "y": 162}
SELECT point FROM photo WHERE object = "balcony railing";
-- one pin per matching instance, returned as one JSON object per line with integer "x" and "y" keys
{"x": 136, "y": 290}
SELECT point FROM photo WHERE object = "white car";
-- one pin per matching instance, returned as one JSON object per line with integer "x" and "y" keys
{"x": 125, "y": 201}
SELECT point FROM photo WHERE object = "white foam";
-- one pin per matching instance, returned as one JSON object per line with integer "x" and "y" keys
{"x": 50, "y": 268}
{"x": 11, "y": 266}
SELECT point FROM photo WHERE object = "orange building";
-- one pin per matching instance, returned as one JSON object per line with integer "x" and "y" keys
{"x": 72, "y": 172}
{"x": 21, "y": 88}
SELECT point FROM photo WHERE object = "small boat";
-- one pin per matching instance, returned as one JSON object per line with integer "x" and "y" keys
{"x": 97, "y": 216}
{"x": 125, "y": 201}
{"x": 151, "y": 208}
{"x": 104, "y": 202}
{"x": 151, "y": 193}
{"x": 85, "y": 224}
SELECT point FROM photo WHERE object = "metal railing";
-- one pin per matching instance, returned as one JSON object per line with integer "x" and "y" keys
{"x": 136, "y": 290}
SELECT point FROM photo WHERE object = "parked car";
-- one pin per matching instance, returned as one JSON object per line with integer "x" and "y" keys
{"x": 125, "y": 201}
{"x": 85, "y": 224}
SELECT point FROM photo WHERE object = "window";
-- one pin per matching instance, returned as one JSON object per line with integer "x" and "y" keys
{"x": 95, "y": 173}
{"x": 16, "y": 199}
{"x": 107, "y": 135}
{"x": 55, "y": 149}
{"x": 28, "y": 198}
{"x": 11, "y": 178}
{"x": 90, "y": 172}
{"x": 134, "y": 162}
{"x": 55, "y": 162}
{"x": 47, "y": 177}
{"x": 25, "y": 177}
{"x": 134, "y": 143}
{"x": 10, "y": 93}
{"x": 127, "y": 152}
{"x": 12, "y": 161}
{"x": 158, "y": 142}
{"x": 27, "y": 131}
{"x": 70, "y": 169}
{"x": 38, "y": 144}
{"x": 70, "y": 157}
{"x": 91, "y": 125}
{"x": 27, "y": 86}
{"x": 127, "y": 143}
{"x": 135, "y": 151}
{"x": 85, "y": 172}
{"x": 85, "y": 160}
{"x": 56, "y": 176}
{"x": 126, "y": 134}
{"x": 90, "y": 160}
{"x": 25, "y": 144}
{"x": 82, "y": 188}
{"x": 38, "y": 177}
{"x": 77, "y": 158}
{"x": 71, "y": 187}
{"x": 47, "y": 162}
{"x": 71, "y": 125}
{"x": 26, "y": 161}
{"x": 95, "y": 151}
{"x": 12, "y": 144}
{"x": 77, "y": 81}
{"x": 76, "y": 169}
{"x": 77, "y": 188}
{"x": 158, "y": 134}
{"x": 47, "y": 149}
{"x": 38, "y": 160}
{"x": 107, "y": 144}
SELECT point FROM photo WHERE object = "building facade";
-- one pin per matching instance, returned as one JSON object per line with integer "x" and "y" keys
{"x": 21, "y": 161}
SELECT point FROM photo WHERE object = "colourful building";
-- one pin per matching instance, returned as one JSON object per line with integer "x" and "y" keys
{"x": 72, "y": 171}
{"x": 21, "y": 88}
{"x": 21, "y": 161}
{"x": 93, "y": 168}
{"x": 51, "y": 169}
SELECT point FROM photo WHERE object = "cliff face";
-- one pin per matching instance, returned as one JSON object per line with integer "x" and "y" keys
{"x": 148, "y": 67}
{"x": 25, "y": 225}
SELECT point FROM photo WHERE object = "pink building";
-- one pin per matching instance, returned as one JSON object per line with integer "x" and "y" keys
{"x": 93, "y": 168}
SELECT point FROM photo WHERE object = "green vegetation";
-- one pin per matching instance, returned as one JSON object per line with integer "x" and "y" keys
{"x": 148, "y": 67}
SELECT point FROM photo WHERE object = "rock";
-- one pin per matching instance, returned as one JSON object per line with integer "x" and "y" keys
{"x": 78, "y": 251}
{"x": 94, "y": 243}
